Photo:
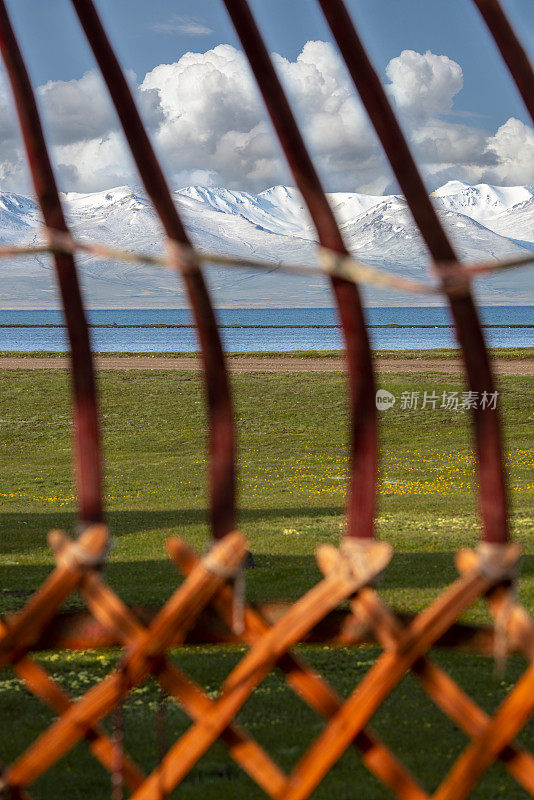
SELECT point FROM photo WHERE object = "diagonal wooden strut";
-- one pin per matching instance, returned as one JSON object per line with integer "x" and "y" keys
{"x": 43, "y": 686}
{"x": 490, "y": 463}
{"x": 22, "y": 631}
{"x": 368, "y": 607}
{"x": 17, "y": 634}
{"x": 361, "y": 499}
{"x": 496, "y": 734}
{"x": 447, "y": 695}
{"x": 222, "y": 479}
{"x": 86, "y": 434}
{"x": 405, "y": 649}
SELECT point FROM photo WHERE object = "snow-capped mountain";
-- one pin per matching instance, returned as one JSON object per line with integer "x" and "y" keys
{"x": 484, "y": 222}
{"x": 481, "y": 202}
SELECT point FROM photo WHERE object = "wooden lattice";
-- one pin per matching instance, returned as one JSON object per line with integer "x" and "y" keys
{"x": 349, "y": 572}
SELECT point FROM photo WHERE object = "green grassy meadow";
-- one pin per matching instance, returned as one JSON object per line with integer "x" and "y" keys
{"x": 292, "y": 438}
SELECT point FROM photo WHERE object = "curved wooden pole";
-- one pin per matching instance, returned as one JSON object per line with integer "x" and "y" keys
{"x": 362, "y": 495}
{"x": 492, "y": 485}
{"x": 221, "y": 417}
{"x": 87, "y": 456}
{"x": 512, "y": 51}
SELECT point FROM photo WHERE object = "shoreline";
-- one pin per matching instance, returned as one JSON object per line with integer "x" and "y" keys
{"x": 508, "y": 353}
{"x": 515, "y": 362}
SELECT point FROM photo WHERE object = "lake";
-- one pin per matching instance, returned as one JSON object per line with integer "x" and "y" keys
{"x": 144, "y": 338}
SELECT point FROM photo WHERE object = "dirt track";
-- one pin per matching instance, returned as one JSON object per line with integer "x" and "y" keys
{"x": 275, "y": 364}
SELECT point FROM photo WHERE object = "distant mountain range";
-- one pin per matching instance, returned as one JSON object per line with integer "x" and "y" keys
{"x": 483, "y": 221}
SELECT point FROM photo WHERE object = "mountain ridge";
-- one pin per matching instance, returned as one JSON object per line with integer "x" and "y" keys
{"x": 484, "y": 222}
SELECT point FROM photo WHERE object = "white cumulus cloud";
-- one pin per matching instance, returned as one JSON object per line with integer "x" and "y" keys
{"x": 209, "y": 126}
{"x": 424, "y": 84}
{"x": 513, "y": 146}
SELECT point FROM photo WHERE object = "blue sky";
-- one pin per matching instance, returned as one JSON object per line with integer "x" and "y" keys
{"x": 148, "y": 34}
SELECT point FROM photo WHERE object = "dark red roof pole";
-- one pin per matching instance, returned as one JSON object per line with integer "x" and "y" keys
{"x": 492, "y": 490}
{"x": 86, "y": 428}
{"x": 362, "y": 496}
{"x": 511, "y": 50}
{"x": 221, "y": 417}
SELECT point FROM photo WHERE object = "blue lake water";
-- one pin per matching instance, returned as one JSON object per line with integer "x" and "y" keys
{"x": 146, "y": 339}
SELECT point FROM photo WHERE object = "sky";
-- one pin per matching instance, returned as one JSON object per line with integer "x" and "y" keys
{"x": 460, "y": 109}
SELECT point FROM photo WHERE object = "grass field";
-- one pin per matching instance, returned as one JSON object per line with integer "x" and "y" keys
{"x": 292, "y": 469}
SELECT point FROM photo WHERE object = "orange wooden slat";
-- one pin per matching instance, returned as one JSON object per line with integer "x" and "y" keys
{"x": 180, "y": 611}
{"x": 242, "y": 748}
{"x": 22, "y": 630}
{"x": 447, "y": 695}
{"x": 313, "y": 689}
{"x": 47, "y": 690}
{"x": 388, "y": 670}
{"x": 506, "y": 723}
{"x": 245, "y": 677}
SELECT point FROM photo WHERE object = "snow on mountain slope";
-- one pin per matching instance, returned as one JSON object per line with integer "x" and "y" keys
{"x": 480, "y": 201}
{"x": 483, "y": 221}
{"x": 474, "y": 241}
{"x": 516, "y": 222}
{"x": 348, "y": 205}
{"x": 278, "y": 210}
{"x": 119, "y": 216}
{"x": 385, "y": 233}
{"x": 498, "y": 208}
{"x": 19, "y": 215}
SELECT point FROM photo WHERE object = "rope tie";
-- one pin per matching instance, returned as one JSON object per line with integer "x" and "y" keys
{"x": 183, "y": 255}
{"x": 76, "y": 556}
{"x": 348, "y": 268}
{"x": 237, "y": 576}
{"x": 360, "y": 560}
{"x": 494, "y": 565}
{"x": 354, "y": 557}
{"x": 455, "y": 280}
{"x": 502, "y": 642}
{"x": 494, "y": 561}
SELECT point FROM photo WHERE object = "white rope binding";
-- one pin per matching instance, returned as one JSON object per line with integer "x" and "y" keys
{"x": 494, "y": 565}
{"x": 237, "y": 576}
{"x": 73, "y": 554}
